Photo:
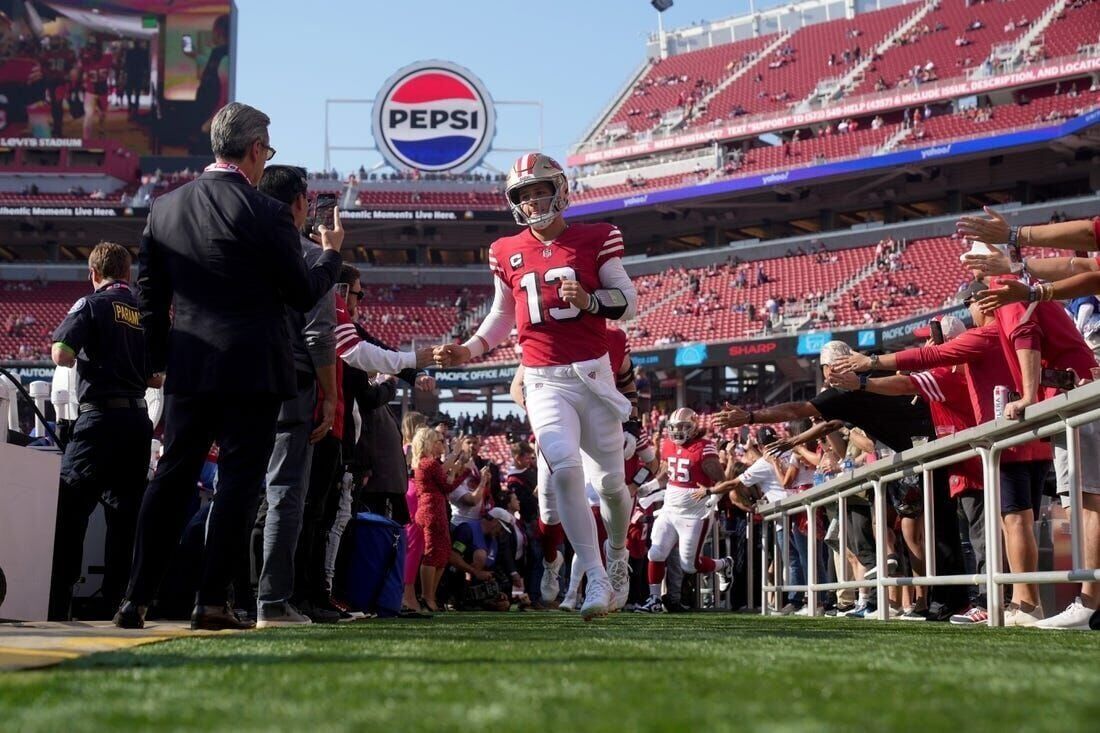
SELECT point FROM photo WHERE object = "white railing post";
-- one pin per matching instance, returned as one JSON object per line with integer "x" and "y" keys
{"x": 880, "y": 549}
{"x": 842, "y": 518}
{"x": 811, "y": 559}
{"x": 749, "y": 569}
{"x": 1073, "y": 461}
{"x": 929, "y": 525}
{"x": 765, "y": 541}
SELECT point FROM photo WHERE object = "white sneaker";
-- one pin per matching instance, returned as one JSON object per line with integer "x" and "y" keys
{"x": 1076, "y": 616}
{"x": 652, "y": 605}
{"x": 1016, "y": 616}
{"x": 597, "y": 600}
{"x": 618, "y": 572}
{"x": 551, "y": 586}
{"x": 805, "y": 611}
{"x": 277, "y": 615}
{"x": 787, "y": 609}
{"x": 725, "y": 577}
{"x": 569, "y": 603}
{"x": 877, "y": 613}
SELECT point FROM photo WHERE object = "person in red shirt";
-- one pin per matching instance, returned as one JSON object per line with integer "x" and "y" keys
{"x": 58, "y": 62}
{"x": 558, "y": 284}
{"x": 94, "y": 72}
{"x": 957, "y": 379}
{"x": 434, "y": 478}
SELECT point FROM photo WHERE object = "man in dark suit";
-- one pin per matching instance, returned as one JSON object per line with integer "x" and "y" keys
{"x": 228, "y": 259}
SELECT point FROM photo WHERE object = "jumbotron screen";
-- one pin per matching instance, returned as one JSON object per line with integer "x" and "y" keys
{"x": 146, "y": 74}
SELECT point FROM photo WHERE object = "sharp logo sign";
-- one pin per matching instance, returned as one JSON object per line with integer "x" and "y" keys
{"x": 434, "y": 116}
{"x": 760, "y": 349}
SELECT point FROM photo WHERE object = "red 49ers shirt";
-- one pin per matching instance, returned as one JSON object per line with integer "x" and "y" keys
{"x": 551, "y": 331}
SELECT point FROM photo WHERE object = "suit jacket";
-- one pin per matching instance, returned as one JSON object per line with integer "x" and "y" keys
{"x": 228, "y": 260}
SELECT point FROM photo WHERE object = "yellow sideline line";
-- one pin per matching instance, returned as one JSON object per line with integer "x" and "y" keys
{"x": 16, "y": 651}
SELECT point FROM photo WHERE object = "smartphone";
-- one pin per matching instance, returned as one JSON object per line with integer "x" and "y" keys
{"x": 937, "y": 332}
{"x": 1063, "y": 379}
{"x": 323, "y": 211}
{"x": 188, "y": 44}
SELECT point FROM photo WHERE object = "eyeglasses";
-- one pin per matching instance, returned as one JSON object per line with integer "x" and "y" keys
{"x": 270, "y": 150}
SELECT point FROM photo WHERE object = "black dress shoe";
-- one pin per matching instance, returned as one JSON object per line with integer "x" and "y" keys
{"x": 130, "y": 616}
{"x": 216, "y": 618}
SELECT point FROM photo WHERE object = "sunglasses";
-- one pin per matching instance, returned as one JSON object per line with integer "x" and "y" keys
{"x": 270, "y": 150}
{"x": 357, "y": 293}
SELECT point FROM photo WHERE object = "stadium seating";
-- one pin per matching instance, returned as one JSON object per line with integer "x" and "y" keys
{"x": 1078, "y": 25}
{"x": 668, "y": 82}
{"x": 805, "y": 65}
{"x": 939, "y": 46}
{"x": 1044, "y": 110}
{"x": 46, "y": 304}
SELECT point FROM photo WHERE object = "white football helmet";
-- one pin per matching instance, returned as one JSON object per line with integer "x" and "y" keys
{"x": 537, "y": 168}
{"x": 682, "y": 425}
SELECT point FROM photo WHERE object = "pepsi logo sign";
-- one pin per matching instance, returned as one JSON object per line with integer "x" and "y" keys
{"x": 434, "y": 116}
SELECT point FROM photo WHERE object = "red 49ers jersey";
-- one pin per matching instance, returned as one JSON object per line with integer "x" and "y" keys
{"x": 617, "y": 349}
{"x": 96, "y": 72}
{"x": 552, "y": 332}
{"x": 685, "y": 475}
{"x": 56, "y": 64}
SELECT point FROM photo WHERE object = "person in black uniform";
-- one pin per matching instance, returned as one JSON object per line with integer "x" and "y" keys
{"x": 227, "y": 259}
{"x": 107, "y": 456}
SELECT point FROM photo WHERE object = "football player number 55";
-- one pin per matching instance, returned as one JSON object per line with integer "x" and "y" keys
{"x": 531, "y": 285}
{"x": 679, "y": 469}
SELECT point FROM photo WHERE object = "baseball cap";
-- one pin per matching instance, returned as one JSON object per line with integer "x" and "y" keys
{"x": 833, "y": 350}
{"x": 951, "y": 326}
{"x": 501, "y": 515}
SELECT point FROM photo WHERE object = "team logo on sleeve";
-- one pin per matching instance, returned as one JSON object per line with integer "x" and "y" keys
{"x": 434, "y": 116}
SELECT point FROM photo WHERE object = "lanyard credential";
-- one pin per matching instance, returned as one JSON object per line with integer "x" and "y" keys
{"x": 230, "y": 167}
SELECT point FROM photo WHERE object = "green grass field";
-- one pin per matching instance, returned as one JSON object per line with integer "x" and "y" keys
{"x": 550, "y": 672}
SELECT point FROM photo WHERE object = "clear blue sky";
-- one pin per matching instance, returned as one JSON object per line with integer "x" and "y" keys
{"x": 570, "y": 55}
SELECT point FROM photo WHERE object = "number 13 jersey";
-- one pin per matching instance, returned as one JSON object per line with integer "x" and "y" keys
{"x": 551, "y": 331}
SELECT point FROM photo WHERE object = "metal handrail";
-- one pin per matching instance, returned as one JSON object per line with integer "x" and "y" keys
{"x": 1063, "y": 414}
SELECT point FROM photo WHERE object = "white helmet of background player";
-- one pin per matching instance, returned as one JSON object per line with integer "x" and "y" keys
{"x": 683, "y": 425}
{"x": 537, "y": 168}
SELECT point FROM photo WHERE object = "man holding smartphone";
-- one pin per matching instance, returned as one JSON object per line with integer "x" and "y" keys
{"x": 313, "y": 344}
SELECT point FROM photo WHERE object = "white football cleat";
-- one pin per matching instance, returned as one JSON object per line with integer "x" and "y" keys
{"x": 618, "y": 572}
{"x": 725, "y": 577}
{"x": 597, "y": 600}
{"x": 652, "y": 605}
{"x": 570, "y": 602}
{"x": 550, "y": 585}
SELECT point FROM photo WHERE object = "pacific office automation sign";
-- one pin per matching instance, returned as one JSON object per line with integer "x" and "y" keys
{"x": 434, "y": 116}
{"x": 867, "y": 104}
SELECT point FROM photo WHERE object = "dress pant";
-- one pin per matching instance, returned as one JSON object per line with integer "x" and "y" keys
{"x": 244, "y": 427}
{"x": 106, "y": 459}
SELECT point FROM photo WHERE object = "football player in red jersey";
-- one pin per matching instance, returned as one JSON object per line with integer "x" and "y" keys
{"x": 94, "y": 73}
{"x": 558, "y": 284}
{"x": 693, "y": 464}
{"x": 58, "y": 65}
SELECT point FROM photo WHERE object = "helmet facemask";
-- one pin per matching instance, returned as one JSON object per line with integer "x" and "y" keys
{"x": 681, "y": 432}
{"x": 550, "y": 205}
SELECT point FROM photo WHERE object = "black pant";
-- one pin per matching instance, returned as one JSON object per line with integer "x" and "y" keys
{"x": 106, "y": 457}
{"x": 244, "y": 428}
{"x": 948, "y": 546}
{"x": 322, "y": 500}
